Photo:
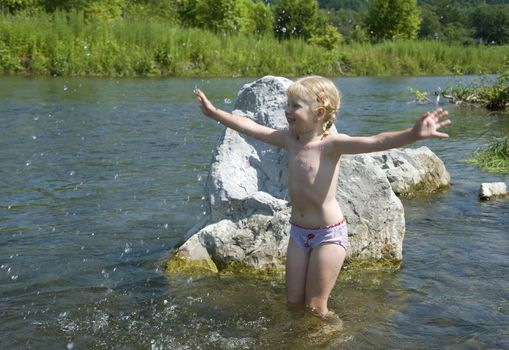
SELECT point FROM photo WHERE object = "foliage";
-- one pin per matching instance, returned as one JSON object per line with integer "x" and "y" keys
{"x": 103, "y": 10}
{"x": 420, "y": 96}
{"x": 219, "y": 15}
{"x": 460, "y": 21}
{"x": 295, "y": 18}
{"x": 160, "y": 9}
{"x": 303, "y": 19}
{"x": 395, "y": 19}
{"x": 65, "y": 43}
{"x": 327, "y": 37}
{"x": 494, "y": 158}
{"x": 349, "y": 23}
{"x": 14, "y": 6}
{"x": 257, "y": 18}
{"x": 491, "y": 23}
{"x": 492, "y": 96}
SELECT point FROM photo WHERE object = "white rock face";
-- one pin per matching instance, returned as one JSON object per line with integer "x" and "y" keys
{"x": 247, "y": 196}
{"x": 413, "y": 171}
{"x": 493, "y": 189}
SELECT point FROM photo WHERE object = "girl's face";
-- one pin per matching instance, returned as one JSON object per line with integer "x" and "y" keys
{"x": 301, "y": 116}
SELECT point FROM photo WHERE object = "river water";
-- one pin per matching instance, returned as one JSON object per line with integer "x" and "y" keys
{"x": 100, "y": 178}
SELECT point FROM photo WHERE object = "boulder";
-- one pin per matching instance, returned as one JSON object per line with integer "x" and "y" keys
{"x": 491, "y": 190}
{"x": 248, "y": 211}
{"x": 373, "y": 212}
{"x": 413, "y": 171}
{"x": 243, "y": 167}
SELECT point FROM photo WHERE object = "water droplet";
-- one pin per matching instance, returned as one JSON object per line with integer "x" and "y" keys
{"x": 70, "y": 346}
{"x": 283, "y": 30}
{"x": 72, "y": 173}
{"x": 28, "y": 163}
{"x": 66, "y": 88}
{"x": 166, "y": 226}
{"x": 14, "y": 277}
{"x": 227, "y": 101}
{"x": 127, "y": 248}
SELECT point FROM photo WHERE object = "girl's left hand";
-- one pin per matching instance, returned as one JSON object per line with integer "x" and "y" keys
{"x": 429, "y": 124}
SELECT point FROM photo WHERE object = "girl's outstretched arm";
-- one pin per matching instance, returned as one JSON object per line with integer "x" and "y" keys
{"x": 427, "y": 126}
{"x": 241, "y": 124}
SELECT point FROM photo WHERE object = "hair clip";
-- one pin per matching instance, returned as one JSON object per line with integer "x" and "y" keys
{"x": 320, "y": 97}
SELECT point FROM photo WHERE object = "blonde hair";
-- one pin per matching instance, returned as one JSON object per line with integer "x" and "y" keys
{"x": 323, "y": 93}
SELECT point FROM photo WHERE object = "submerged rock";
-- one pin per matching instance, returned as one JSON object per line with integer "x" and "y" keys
{"x": 248, "y": 211}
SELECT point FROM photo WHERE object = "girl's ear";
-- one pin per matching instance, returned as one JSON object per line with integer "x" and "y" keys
{"x": 320, "y": 113}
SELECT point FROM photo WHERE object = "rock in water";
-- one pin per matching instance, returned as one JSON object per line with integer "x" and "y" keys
{"x": 493, "y": 189}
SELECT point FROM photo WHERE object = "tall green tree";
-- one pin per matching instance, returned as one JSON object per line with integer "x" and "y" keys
{"x": 491, "y": 23}
{"x": 18, "y": 5}
{"x": 430, "y": 23}
{"x": 393, "y": 19}
{"x": 295, "y": 18}
{"x": 165, "y": 9}
{"x": 256, "y": 17}
{"x": 104, "y": 10}
{"x": 219, "y": 15}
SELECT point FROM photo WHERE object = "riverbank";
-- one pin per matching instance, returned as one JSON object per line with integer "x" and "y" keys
{"x": 64, "y": 44}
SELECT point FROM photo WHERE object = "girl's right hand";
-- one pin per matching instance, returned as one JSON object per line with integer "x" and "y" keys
{"x": 206, "y": 106}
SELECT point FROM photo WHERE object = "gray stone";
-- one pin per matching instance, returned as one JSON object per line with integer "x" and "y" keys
{"x": 413, "y": 171}
{"x": 493, "y": 189}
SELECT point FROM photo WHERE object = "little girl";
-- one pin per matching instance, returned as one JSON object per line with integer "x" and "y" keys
{"x": 318, "y": 235}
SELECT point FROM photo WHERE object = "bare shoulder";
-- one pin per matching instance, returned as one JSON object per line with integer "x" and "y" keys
{"x": 280, "y": 138}
{"x": 336, "y": 139}
{"x": 346, "y": 144}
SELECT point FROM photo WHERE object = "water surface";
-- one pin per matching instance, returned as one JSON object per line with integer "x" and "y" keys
{"x": 100, "y": 178}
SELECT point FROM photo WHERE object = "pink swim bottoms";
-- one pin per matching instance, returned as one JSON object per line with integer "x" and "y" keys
{"x": 309, "y": 238}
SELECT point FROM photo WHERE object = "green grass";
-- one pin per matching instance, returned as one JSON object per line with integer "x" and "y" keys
{"x": 493, "y": 96}
{"x": 494, "y": 158}
{"x": 65, "y": 44}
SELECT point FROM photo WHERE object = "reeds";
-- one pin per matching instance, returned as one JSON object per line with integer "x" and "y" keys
{"x": 66, "y": 44}
{"x": 494, "y": 158}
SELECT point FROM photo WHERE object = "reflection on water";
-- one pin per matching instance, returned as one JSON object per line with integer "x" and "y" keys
{"x": 101, "y": 178}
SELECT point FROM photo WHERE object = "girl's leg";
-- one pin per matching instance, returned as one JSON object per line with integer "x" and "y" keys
{"x": 324, "y": 266}
{"x": 296, "y": 272}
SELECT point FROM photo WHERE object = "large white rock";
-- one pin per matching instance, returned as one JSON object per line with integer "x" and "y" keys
{"x": 247, "y": 225}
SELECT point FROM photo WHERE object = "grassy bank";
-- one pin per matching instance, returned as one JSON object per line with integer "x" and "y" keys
{"x": 64, "y": 44}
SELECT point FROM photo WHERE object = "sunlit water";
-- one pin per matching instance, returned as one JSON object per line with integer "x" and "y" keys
{"x": 100, "y": 178}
